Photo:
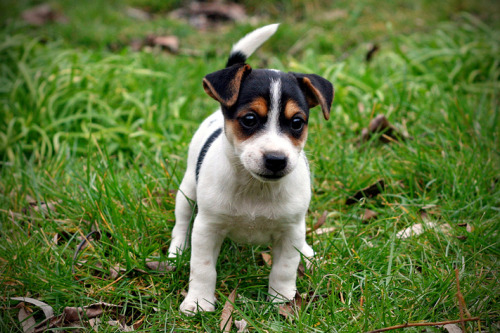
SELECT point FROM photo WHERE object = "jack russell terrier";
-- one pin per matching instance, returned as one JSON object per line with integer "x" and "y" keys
{"x": 248, "y": 173}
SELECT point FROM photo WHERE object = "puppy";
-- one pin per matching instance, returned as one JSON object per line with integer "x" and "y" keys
{"x": 248, "y": 172}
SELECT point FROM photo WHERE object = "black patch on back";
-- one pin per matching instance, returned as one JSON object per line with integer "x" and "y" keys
{"x": 204, "y": 150}
{"x": 236, "y": 58}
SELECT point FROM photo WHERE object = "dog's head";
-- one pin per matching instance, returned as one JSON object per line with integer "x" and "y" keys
{"x": 266, "y": 114}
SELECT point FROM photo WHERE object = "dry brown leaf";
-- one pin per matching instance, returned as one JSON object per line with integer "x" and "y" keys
{"x": 72, "y": 313}
{"x": 114, "y": 271}
{"x": 380, "y": 124}
{"x": 301, "y": 270}
{"x": 320, "y": 222}
{"x": 468, "y": 227}
{"x": 290, "y": 308}
{"x": 26, "y": 319}
{"x": 47, "y": 309}
{"x": 368, "y": 215}
{"x": 322, "y": 231}
{"x": 94, "y": 324}
{"x": 267, "y": 258}
{"x": 139, "y": 322}
{"x": 160, "y": 266}
{"x": 452, "y": 328}
{"x": 167, "y": 43}
{"x": 226, "y": 318}
{"x": 42, "y": 14}
{"x": 367, "y": 192}
{"x": 206, "y": 14}
{"x": 420, "y": 228}
{"x": 415, "y": 230}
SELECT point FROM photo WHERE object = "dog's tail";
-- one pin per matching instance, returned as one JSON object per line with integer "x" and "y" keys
{"x": 248, "y": 44}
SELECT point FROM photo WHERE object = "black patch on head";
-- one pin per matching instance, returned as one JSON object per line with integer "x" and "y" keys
{"x": 290, "y": 90}
{"x": 204, "y": 150}
{"x": 236, "y": 58}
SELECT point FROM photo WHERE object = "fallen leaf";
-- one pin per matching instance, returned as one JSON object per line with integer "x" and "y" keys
{"x": 367, "y": 192}
{"x": 267, "y": 258}
{"x": 241, "y": 325}
{"x": 468, "y": 227}
{"x": 301, "y": 270}
{"x": 380, "y": 124}
{"x": 160, "y": 266}
{"x": 320, "y": 222}
{"x": 71, "y": 313}
{"x": 368, "y": 215}
{"x": 139, "y": 322}
{"x": 452, "y": 328}
{"x": 206, "y": 14}
{"x": 290, "y": 308}
{"x": 415, "y": 230}
{"x": 26, "y": 319}
{"x": 167, "y": 43}
{"x": 226, "y": 318}
{"x": 42, "y": 14}
{"x": 420, "y": 228}
{"x": 322, "y": 231}
{"x": 94, "y": 323}
{"x": 114, "y": 271}
{"x": 47, "y": 309}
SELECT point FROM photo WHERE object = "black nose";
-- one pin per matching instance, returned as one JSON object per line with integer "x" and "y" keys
{"x": 275, "y": 162}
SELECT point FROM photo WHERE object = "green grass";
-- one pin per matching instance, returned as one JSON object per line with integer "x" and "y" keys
{"x": 102, "y": 133}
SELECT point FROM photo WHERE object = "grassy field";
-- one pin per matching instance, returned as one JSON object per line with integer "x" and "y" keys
{"x": 94, "y": 135}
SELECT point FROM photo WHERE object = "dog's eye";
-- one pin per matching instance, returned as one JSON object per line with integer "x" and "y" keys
{"x": 249, "y": 120}
{"x": 297, "y": 123}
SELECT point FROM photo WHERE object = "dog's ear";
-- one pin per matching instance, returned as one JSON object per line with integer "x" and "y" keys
{"x": 224, "y": 85}
{"x": 317, "y": 90}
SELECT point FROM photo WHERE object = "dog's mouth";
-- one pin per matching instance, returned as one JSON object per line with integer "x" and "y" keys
{"x": 269, "y": 177}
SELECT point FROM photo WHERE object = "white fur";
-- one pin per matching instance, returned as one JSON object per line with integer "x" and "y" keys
{"x": 251, "y": 42}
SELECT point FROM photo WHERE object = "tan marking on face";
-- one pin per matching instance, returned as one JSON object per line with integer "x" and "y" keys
{"x": 259, "y": 106}
{"x": 233, "y": 132}
{"x": 292, "y": 108}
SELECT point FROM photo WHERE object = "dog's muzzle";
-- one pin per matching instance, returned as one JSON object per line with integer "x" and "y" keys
{"x": 275, "y": 164}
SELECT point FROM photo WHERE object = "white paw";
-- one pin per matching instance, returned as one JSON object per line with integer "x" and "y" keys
{"x": 281, "y": 294}
{"x": 175, "y": 249}
{"x": 192, "y": 305}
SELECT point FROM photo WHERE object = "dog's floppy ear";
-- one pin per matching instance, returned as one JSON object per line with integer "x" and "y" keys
{"x": 317, "y": 90}
{"x": 224, "y": 85}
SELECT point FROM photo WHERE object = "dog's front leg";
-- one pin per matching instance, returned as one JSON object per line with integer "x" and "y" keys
{"x": 286, "y": 259}
{"x": 183, "y": 212}
{"x": 205, "y": 247}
